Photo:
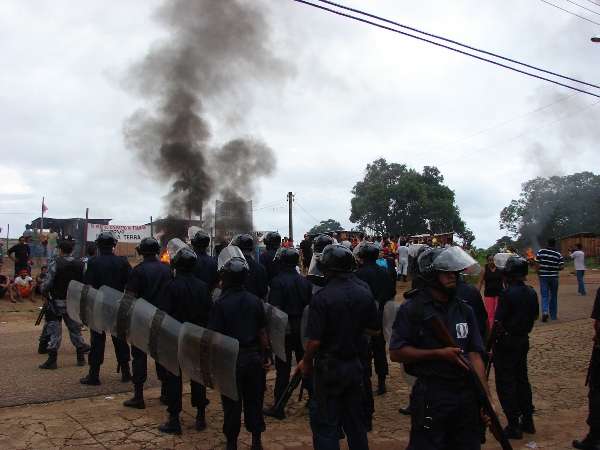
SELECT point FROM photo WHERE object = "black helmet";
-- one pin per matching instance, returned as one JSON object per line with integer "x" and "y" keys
{"x": 287, "y": 256}
{"x": 453, "y": 259}
{"x": 336, "y": 257}
{"x": 322, "y": 241}
{"x": 201, "y": 239}
{"x": 516, "y": 268}
{"x": 244, "y": 242}
{"x": 148, "y": 246}
{"x": 369, "y": 252}
{"x": 184, "y": 259}
{"x": 106, "y": 240}
{"x": 234, "y": 271}
{"x": 272, "y": 239}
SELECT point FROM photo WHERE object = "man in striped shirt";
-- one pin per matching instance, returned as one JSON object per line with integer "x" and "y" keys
{"x": 548, "y": 263}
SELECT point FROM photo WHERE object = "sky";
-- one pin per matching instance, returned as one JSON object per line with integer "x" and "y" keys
{"x": 326, "y": 94}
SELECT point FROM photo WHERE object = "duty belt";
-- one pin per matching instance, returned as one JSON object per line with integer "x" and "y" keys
{"x": 445, "y": 384}
{"x": 248, "y": 349}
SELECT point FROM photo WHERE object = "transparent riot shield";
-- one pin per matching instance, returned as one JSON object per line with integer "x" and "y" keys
{"x": 303, "y": 324}
{"x": 231, "y": 251}
{"x": 142, "y": 324}
{"x": 113, "y": 313}
{"x": 209, "y": 358}
{"x": 276, "y": 328}
{"x": 389, "y": 315}
{"x": 501, "y": 258}
{"x": 312, "y": 269}
{"x": 81, "y": 299}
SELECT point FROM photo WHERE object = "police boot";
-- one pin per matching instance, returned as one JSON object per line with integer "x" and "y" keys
{"x": 527, "y": 425}
{"x": 138, "y": 398}
{"x": 43, "y": 346}
{"x": 513, "y": 429}
{"x": 381, "y": 387}
{"x": 125, "y": 372}
{"x": 200, "y": 419}
{"x": 93, "y": 377}
{"x": 51, "y": 362}
{"x": 231, "y": 444}
{"x": 171, "y": 426}
{"x": 256, "y": 442}
{"x": 587, "y": 443}
{"x": 80, "y": 358}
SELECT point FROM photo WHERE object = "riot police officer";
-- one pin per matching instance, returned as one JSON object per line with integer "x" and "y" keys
{"x": 339, "y": 314}
{"x": 444, "y": 404}
{"x": 147, "y": 281}
{"x": 241, "y": 315}
{"x": 113, "y": 271}
{"x": 518, "y": 309}
{"x": 186, "y": 299}
{"x": 291, "y": 293}
{"x": 61, "y": 271}
{"x": 257, "y": 278}
{"x": 383, "y": 288}
{"x": 272, "y": 241}
{"x": 206, "y": 265}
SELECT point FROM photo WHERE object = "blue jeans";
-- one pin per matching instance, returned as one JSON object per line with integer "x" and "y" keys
{"x": 549, "y": 291}
{"x": 580, "y": 283}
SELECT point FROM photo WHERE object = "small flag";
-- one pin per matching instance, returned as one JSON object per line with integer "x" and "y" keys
{"x": 44, "y": 209}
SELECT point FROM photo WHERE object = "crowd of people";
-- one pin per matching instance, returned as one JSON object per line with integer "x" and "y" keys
{"x": 341, "y": 289}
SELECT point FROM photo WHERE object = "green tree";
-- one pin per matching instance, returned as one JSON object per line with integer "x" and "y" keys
{"x": 553, "y": 207}
{"x": 397, "y": 199}
{"x": 325, "y": 226}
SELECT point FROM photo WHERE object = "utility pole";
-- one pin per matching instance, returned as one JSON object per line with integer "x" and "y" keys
{"x": 290, "y": 200}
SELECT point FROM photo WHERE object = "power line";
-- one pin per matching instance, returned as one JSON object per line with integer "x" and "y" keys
{"x": 598, "y": 4}
{"x": 577, "y": 4}
{"x": 558, "y": 7}
{"x": 306, "y": 211}
{"x": 454, "y": 42}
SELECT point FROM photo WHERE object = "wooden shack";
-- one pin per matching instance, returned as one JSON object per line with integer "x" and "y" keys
{"x": 589, "y": 241}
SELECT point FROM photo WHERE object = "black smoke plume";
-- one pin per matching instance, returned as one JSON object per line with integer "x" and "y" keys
{"x": 215, "y": 52}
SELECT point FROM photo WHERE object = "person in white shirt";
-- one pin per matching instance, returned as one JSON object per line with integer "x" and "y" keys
{"x": 579, "y": 259}
{"x": 402, "y": 261}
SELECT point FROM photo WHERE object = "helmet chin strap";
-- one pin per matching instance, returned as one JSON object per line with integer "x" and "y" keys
{"x": 437, "y": 286}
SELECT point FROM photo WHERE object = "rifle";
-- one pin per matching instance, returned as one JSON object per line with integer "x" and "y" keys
{"x": 43, "y": 310}
{"x": 439, "y": 330}
{"x": 491, "y": 345}
{"x": 289, "y": 390}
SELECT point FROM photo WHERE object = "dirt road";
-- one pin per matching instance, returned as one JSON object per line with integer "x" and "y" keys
{"x": 42, "y": 409}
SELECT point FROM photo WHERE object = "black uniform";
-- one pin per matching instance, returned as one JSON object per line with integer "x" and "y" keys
{"x": 257, "y": 278}
{"x": 444, "y": 404}
{"x": 147, "y": 281}
{"x": 241, "y": 315}
{"x": 517, "y": 309}
{"x": 383, "y": 288}
{"x": 186, "y": 299}
{"x": 291, "y": 293}
{"x": 113, "y": 271}
{"x": 206, "y": 269}
{"x": 271, "y": 266}
{"x": 338, "y": 315}
{"x": 469, "y": 293}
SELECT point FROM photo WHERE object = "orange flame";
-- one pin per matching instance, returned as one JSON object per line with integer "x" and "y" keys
{"x": 529, "y": 253}
{"x": 165, "y": 258}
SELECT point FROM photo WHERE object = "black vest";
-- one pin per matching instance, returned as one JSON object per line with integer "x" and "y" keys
{"x": 66, "y": 270}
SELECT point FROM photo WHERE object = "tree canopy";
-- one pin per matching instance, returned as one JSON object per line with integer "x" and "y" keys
{"x": 553, "y": 207}
{"x": 397, "y": 199}
{"x": 325, "y": 226}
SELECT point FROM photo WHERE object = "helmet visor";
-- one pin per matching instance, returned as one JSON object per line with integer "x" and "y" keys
{"x": 175, "y": 245}
{"x": 453, "y": 259}
{"x": 231, "y": 251}
{"x": 413, "y": 249}
{"x": 501, "y": 258}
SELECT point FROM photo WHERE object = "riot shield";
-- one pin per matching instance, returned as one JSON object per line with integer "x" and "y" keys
{"x": 408, "y": 379}
{"x": 389, "y": 315}
{"x": 303, "y": 324}
{"x": 276, "y": 328}
{"x": 209, "y": 358}
{"x": 113, "y": 313}
{"x": 155, "y": 333}
{"x": 139, "y": 323}
{"x": 312, "y": 269}
{"x": 231, "y": 251}
{"x": 501, "y": 258}
{"x": 81, "y": 299}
